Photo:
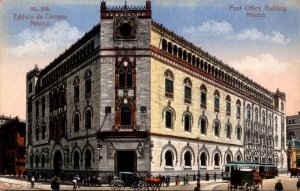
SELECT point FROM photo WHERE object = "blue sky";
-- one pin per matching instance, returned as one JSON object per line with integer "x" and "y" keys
{"x": 265, "y": 48}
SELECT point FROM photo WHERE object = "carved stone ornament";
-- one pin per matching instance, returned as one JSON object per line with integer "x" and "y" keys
{"x": 125, "y": 28}
{"x": 110, "y": 150}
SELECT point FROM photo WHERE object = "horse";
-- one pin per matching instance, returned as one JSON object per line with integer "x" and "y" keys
{"x": 154, "y": 182}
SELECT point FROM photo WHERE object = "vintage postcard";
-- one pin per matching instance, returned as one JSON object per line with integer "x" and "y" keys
{"x": 170, "y": 88}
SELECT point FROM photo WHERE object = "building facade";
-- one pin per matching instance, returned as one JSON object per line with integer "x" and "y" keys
{"x": 132, "y": 95}
{"x": 12, "y": 146}
{"x": 293, "y": 126}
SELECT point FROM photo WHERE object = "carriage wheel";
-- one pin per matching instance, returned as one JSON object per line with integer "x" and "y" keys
{"x": 142, "y": 186}
{"x": 119, "y": 185}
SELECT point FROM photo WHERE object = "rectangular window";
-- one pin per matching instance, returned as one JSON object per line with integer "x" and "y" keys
{"x": 228, "y": 108}
{"x": 203, "y": 99}
{"x": 187, "y": 94}
{"x": 169, "y": 86}
{"x": 217, "y": 104}
{"x": 37, "y": 111}
{"x": 76, "y": 93}
{"x": 238, "y": 111}
{"x": 88, "y": 88}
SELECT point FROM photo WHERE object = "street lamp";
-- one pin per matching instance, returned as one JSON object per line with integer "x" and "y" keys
{"x": 198, "y": 174}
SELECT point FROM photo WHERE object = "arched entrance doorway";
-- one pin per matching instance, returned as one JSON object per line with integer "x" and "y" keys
{"x": 57, "y": 163}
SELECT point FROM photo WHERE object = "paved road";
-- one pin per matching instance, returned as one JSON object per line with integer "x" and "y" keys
{"x": 268, "y": 184}
{"x": 14, "y": 184}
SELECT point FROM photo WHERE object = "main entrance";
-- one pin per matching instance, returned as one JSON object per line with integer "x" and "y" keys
{"x": 125, "y": 161}
{"x": 57, "y": 163}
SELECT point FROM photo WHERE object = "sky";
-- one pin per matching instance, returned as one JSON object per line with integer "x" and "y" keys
{"x": 259, "y": 38}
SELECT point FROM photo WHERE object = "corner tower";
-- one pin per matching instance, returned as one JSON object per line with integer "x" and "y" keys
{"x": 125, "y": 88}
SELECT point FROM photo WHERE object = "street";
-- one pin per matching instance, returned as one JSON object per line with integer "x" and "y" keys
{"x": 268, "y": 184}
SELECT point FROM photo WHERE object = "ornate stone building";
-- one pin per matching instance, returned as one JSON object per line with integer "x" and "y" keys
{"x": 131, "y": 95}
{"x": 12, "y": 146}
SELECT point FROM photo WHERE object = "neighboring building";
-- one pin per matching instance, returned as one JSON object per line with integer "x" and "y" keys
{"x": 293, "y": 153}
{"x": 12, "y": 146}
{"x": 293, "y": 126}
{"x": 131, "y": 95}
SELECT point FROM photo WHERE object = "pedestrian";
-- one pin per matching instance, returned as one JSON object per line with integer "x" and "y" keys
{"x": 207, "y": 176}
{"x": 298, "y": 184}
{"x": 215, "y": 176}
{"x": 168, "y": 180}
{"x": 177, "y": 180}
{"x": 75, "y": 183}
{"x": 187, "y": 179}
{"x": 197, "y": 188}
{"x": 278, "y": 186}
{"x": 54, "y": 184}
{"x": 32, "y": 181}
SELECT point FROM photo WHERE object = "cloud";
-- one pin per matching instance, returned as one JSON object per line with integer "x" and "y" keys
{"x": 222, "y": 27}
{"x": 262, "y": 64}
{"x": 225, "y": 30}
{"x": 44, "y": 45}
{"x": 34, "y": 48}
{"x": 255, "y": 35}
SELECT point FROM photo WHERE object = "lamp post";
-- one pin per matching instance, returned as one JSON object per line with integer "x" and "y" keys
{"x": 198, "y": 174}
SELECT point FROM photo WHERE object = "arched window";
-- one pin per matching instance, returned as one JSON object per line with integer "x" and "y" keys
{"x": 175, "y": 50}
{"x": 76, "y": 160}
{"x": 31, "y": 161}
{"x": 217, "y": 101}
{"x": 203, "y": 93}
{"x": 187, "y": 123}
{"x": 43, "y": 132}
{"x": 37, "y": 134}
{"x": 169, "y": 81}
{"x": 43, "y": 161}
{"x": 43, "y": 106}
{"x": 126, "y": 115}
{"x": 228, "y": 105}
{"x": 164, "y": 44}
{"x": 184, "y": 55}
{"x": 76, "y": 122}
{"x": 88, "y": 119}
{"x": 256, "y": 114}
{"x": 248, "y": 117}
{"x": 228, "y": 131}
{"x": 180, "y": 53}
{"x": 187, "y": 90}
{"x": 217, "y": 159}
{"x": 169, "y": 158}
{"x": 217, "y": 128}
{"x": 88, "y": 83}
{"x": 263, "y": 118}
{"x": 228, "y": 158}
{"x": 238, "y": 133}
{"x": 36, "y": 161}
{"x": 238, "y": 109}
{"x": 238, "y": 158}
{"x": 203, "y": 159}
{"x": 37, "y": 109}
{"x": 125, "y": 76}
{"x": 187, "y": 159}
{"x": 169, "y": 119}
{"x": 170, "y": 47}
{"x": 203, "y": 125}
{"x": 88, "y": 158}
{"x": 76, "y": 89}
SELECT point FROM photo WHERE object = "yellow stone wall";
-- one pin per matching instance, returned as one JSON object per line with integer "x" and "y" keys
{"x": 159, "y": 101}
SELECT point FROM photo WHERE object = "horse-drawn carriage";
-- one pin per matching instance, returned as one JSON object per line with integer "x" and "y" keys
{"x": 245, "y": 179}
{"x": 136, "y": 182}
